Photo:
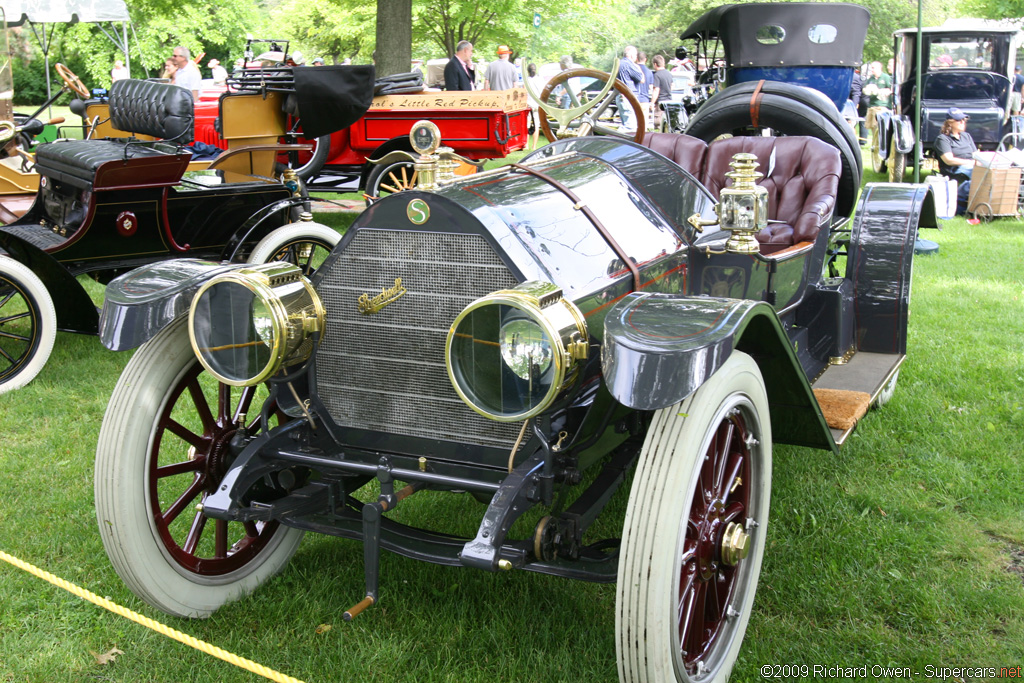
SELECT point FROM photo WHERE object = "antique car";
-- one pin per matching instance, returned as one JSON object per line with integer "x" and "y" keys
{"x": 105, "y": 206}
{"x": 477, "y": 125}
{"x": 534, "y": 336}
{"x": 782, "y": 67}
{"x": 969, "y": 66}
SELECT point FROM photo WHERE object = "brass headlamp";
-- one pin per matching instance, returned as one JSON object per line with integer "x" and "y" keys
{"x": 246, "y": 324}
{"x": 742, "y": 209}
{"x": 511, "y": 353}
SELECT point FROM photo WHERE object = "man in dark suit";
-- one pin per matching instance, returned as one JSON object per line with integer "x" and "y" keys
{"x": 460, "y": 74}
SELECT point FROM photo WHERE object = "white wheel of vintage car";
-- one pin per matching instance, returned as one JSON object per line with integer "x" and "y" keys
{"x": 305, "y": 245}
{"x": 28, "y": 324}
{"x": 694, "y": 533}
{"x": 887, "y": 392}
{"x": 164, "y": 446}
{"x": 897, "y": 162}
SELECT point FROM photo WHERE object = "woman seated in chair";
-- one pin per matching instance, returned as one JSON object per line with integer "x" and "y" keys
{"x": 955, "y": 149}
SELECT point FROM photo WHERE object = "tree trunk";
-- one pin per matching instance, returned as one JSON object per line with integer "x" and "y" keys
{"x": 394, "y": 37}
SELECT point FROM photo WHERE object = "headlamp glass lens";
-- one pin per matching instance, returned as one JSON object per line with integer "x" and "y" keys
{"x": 233, "y": 331}
{"x": 525, "y": 348}
{"x": 502, "y": 361}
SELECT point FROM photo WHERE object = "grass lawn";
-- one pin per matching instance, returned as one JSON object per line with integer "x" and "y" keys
{"x": 906, "y": 550}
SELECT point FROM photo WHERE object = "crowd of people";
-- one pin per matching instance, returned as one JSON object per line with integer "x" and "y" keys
{"x": 650, "y": 85}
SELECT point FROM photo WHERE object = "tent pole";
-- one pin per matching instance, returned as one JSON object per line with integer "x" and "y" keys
{"x": 917, "y": 110}
{"x": 127, "y": 52}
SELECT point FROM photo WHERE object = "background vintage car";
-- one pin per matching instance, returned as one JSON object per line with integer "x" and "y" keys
{"x": 965, "y": 65}
{"x": 105, "y": 206}
{"x": 784, "y": 68}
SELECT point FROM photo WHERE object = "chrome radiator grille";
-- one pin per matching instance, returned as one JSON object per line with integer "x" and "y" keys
{"x": 386, "y": 372}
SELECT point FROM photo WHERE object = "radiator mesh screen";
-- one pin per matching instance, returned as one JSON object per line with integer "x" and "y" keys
{"x": 386, "y": 371}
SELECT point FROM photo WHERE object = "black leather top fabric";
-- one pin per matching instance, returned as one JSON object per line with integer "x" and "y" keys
{"x": 158, "y": 109}
{"x": 331, "y": 98}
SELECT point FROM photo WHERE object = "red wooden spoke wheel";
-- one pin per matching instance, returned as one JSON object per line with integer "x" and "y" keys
{"x": 164, "y": 447}
{"x": 710, "y": 555}
{"x": 693, "y": 537}
{"x": 187, "y": 463}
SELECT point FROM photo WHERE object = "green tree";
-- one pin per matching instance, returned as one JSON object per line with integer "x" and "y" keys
{"x": 996, "y": 9}
{"x": 332, "y": 29}
{"x": 583, "y": 29}
{"x": 216, "y": 29}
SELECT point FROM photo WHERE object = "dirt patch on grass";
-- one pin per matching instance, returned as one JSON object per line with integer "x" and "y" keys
{"x": 1016, "y": 565}
{"x": 1014, "y": 553}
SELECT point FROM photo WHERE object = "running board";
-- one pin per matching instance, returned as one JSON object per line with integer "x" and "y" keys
{"x": 865, "y": 372}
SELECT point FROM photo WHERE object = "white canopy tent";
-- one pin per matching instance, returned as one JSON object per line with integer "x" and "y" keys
{"x": 107, "y": 14}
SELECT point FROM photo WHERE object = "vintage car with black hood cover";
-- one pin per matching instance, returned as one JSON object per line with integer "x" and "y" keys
{"x": 537, "y": 335}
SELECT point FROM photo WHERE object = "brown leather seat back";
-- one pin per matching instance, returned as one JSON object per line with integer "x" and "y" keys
{"x": 688, "y": 152}
{"x": 801, "y": 181}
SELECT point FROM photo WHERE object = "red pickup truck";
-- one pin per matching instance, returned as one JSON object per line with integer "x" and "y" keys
{"x": 477, "y": 125}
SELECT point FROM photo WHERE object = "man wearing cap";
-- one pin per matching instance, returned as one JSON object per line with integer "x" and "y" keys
{"x": 955, "y": 150}
{"x": 318, "y": 61}
{"x": 459, "y": 73}
{"x": 219, "y": 73}
{"x": 501, "y": 74}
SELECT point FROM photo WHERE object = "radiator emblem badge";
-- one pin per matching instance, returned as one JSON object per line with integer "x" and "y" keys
{"x": 369, "y": 305}
{"x": 418, "y": 211}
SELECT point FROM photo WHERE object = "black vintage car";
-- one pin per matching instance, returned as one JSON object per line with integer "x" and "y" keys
{"x": 965, "y": 66}
{"x": 532, "y": 336}
{"x": 105, "y": 206}
{"x": 782, "y": 68}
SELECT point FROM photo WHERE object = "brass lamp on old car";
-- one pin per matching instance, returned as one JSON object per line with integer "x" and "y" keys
{"x": 742, "y": 209}
{"x": 245, "y": 325}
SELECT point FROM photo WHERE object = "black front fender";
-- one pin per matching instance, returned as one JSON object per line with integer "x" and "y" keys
{"x": 903, "y": 130}
{"x": 75, "y": 310}
{"x": 144, "y": 301}
{"x": 659, "y": 348}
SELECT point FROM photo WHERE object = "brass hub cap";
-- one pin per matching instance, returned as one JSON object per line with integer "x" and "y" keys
{"x": 735, "y": 544}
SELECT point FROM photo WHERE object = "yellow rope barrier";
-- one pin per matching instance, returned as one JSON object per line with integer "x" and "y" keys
{"x": 213, "y": 650}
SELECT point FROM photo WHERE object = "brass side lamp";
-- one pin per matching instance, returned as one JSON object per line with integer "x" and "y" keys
{"x": 742, "y": 209}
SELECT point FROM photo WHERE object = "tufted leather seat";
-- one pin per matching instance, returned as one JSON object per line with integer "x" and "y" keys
{"x": 158, "y": 109}
{"x": 689, "y": 152}
{"x": 140, "y": 107}
{"x": 802, "y": 181}
{"x": 801, "y": 184}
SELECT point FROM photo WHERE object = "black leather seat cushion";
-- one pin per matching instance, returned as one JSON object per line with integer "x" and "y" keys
{"x": 76, "y": 161}
{"x": 139, "y": 107}
{"x": 158, "y": 109}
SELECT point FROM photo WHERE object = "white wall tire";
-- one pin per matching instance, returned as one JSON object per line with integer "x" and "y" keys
{"x": 664, "y": 518}
{"x": 150, "y": 422}
{"x": 887, "y": 392}
{"x": 305, "y": 244}
{"x": 28, "y": 324}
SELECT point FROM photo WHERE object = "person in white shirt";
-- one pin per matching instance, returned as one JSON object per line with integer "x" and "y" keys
{"x": 187, "y": 75}
{"x": 219, "y": 73}
{"x": 119, "y": 72}
{"x": 537, "y": 84}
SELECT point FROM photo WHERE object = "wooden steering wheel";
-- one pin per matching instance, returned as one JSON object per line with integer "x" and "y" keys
{"x": 72, "y": 81}
{"x": 589, "y": 122}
